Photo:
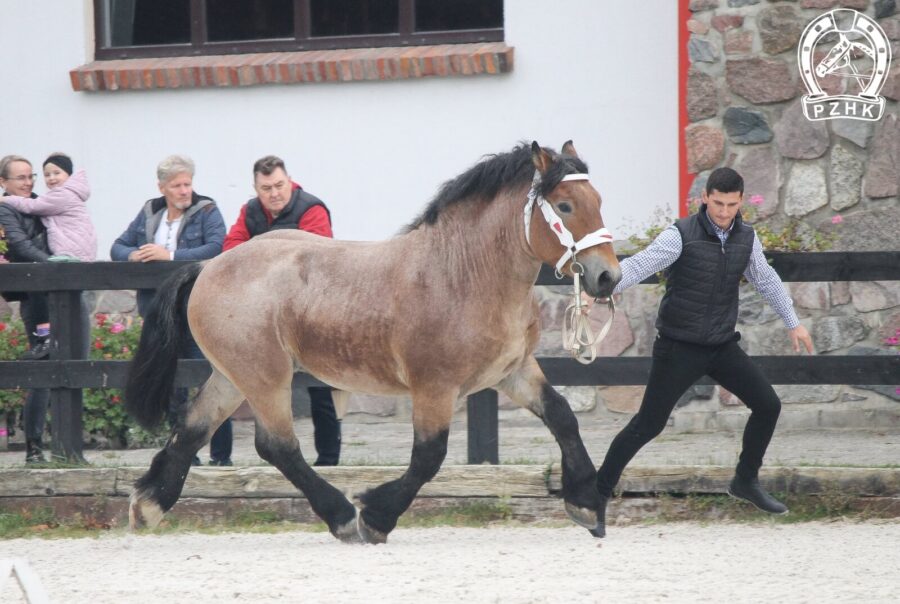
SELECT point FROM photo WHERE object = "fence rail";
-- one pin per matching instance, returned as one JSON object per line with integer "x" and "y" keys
{"x": 67, "y": 372}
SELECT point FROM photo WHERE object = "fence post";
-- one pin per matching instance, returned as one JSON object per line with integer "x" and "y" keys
{"x": 483, "y": 442}
{"x": 70, "y": 341}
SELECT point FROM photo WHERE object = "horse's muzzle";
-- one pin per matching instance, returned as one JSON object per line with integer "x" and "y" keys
{"x": 600, "y": 283}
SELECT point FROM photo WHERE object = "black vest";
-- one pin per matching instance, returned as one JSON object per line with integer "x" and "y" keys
{"x": 701, "y": 300}
{"x": 288, "y": 218}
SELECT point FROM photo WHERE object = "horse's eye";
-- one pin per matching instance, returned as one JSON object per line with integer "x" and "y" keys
{"x": 564, "y": 207}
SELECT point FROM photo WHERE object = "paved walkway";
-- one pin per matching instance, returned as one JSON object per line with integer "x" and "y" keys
{"x": 370, "y": 440}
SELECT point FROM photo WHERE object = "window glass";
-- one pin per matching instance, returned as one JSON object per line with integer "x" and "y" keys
{"x": 232, "y": 20}
{"x": 353, "y": 17}
{"x": 148, "y": 22}
{"x": 444, "y": 15}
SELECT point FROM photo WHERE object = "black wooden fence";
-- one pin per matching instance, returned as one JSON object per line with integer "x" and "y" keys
{"x": 67, "y": 371}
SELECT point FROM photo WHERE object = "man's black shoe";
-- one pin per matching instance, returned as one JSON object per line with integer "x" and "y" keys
{"x": 749, "y": 490}
{"x": 34, "y": 452}
{"x": 220, "y": 462}
{"x": 196, "y": 461}
{"x": 38, "y": 352}
{"x": 599, "y": 531}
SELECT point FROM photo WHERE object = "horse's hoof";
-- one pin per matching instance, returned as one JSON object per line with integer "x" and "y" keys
{"x": 368, "y": 534}
{"x": 582, "y": 516}
{"x": 143, "y": 512}
{"x": 598, "y": 531}
{"x": 348, "y": 532}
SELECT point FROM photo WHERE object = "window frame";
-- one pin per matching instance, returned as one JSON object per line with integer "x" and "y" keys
{"x": 301, "y": 41}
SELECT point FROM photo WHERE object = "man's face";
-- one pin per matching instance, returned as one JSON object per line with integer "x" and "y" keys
{"x": 723, "y": 207}
{"x": 274, "y": 190}
{"x": 20, "y": 181}
{"x": 177, "y": 191}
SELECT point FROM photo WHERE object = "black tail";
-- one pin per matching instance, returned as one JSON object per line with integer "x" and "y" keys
{"x": 151, "y": 376}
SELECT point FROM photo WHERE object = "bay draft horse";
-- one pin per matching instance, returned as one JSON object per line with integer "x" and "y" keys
{"x": 441, "y": 310}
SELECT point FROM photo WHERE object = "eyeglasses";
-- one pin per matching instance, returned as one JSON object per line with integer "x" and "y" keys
{"x": 24, "y": 178}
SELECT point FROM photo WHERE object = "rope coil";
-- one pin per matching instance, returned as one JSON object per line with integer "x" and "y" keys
{"x": 578, "y": 337}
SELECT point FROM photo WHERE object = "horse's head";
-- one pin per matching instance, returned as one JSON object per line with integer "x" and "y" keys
{"x": 568, "y": 225}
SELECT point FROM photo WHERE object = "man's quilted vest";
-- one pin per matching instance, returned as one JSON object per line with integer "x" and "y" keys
{"x": 288, "y": 218}
{"x": 701, "y": 300}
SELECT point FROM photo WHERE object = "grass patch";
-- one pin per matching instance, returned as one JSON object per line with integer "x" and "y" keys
{"x": 476, "y": 514}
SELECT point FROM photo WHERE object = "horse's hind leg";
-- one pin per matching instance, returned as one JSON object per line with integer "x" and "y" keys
{"x": 529, "y": 388}
{"x": 277, "y": 444}
{"x": 385, "y": 503}
{"x": 158, "y": 490}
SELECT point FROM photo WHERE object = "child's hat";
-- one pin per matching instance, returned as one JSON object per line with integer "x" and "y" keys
{"x": 63, "y": 162}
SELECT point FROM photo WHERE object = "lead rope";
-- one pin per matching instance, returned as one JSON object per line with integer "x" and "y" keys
{"x": 578, "y": 337}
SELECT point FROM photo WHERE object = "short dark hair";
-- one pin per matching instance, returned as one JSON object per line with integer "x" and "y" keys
{"x": 724, "y": 180}
{"x": 268, "y": 164}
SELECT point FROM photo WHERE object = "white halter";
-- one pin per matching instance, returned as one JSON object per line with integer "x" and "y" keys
{"x": 556, "y": 225}
{"x": 578, "y": 337}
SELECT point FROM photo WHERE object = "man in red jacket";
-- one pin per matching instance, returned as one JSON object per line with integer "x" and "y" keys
{"x": 283, "y": 204}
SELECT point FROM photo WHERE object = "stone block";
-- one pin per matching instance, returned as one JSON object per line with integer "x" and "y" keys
{"x": 723, "y": 23}
{"x": 702, "y": 96}
{"x": 840, "y": 293}
{"x": 115, "y": 302}
{"x": 582, "y": 399}
{"x": 798, "y": 138}
{"x": 806, "y": 189}
{"x": 746, "y": 126}
{"x": 865, "y": 231}
{"x": 882, "y": 178}
{"x": 811, "y": 295}
{"x": 857, "y": 132}
{"x": 696, "y": 26}
{"x": 779, "y": 28}
{"x": 807, "y": 393}
{"x": 622, "y": 399}
{"x": 381, "y": 406}
{"x": 702, "y": 51}
{"x": 761, "y": 80}
{"x": 846, "y": 177}
{"x": 875, "y": 295}
{"x": 705, "y": 147}
{"x": 759, "y": 168}
{"x": 696, "y": 6}
{"x": 738, "y": 42}
{"x": 884, "y": 8}
{"x": 834, "y": 333}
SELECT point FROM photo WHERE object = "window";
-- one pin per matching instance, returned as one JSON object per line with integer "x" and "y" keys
{"x": 165, "y": 28}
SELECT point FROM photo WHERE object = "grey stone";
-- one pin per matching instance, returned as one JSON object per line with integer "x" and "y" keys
{"x": 746, "y": 126}
{"x": 882, "y": 177}
{"x": 761, "y": 80}
{"x": 874, "y": 295}
{"x": 779, "y": 28}
{"x": 759, "y": 168}
{"x": 834, "y": 333}
{"x": 642, "y": 303}
{"x": 770, "y": 339}
{"x": 857, "y": 132}
{"x": 798, "y": 138}
{"x": 697, "y": 391}
{"x": 702, "y": 51}
{"x": 739, "y": 3}
{"x": 696, "y": 6}
{"x": 705, "y": 147}
{"x": 381, "y": 406}
{"x": 723, "y": 23}
{"x": 865, "y": 231}
{"x": 695, "y": 26}
{"x": 807, "y": 393}
{"x": 581, "y": 398}
{"x": 806, "y": 189}
{"x": 891, "y": 86}
{"x": 846, "y": 177}
{"x": 115, "y": 301}
{"x": 702, "y": 96}
{"x": 884, "y": 8}
{"x": 622, "y": 399}
{"x": 811, "y": 295}
{"x": 699, "y": 184}
{"x": 840, "y": 293}
{"x": 890, "y": 391}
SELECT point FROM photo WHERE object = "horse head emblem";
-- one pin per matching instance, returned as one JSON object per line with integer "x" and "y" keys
{"x": 577, "y": 239}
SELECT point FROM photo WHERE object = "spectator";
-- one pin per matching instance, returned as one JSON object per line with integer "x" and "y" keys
{"x": 283, "y": 204}
{"x": 180, "y": 225}
{"x": 26, "y": 238}
{"x": 63, "y": 212}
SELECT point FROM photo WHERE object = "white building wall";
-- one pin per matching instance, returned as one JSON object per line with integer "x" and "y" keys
{"x": 601, "y": 73}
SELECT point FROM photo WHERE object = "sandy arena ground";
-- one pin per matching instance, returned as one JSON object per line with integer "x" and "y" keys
{"x": 808, "y": 562}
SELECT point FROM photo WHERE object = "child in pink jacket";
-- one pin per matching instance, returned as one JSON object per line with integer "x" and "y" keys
{"x": 63, "y": 210}
{"x": 70, "y": 232}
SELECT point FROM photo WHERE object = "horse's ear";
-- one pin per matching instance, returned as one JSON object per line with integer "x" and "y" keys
{"x": 569, "y": 149}
{"x": 542, "y": 160}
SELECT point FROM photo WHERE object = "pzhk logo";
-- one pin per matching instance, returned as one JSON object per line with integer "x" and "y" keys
{"x": 858, "y": 52}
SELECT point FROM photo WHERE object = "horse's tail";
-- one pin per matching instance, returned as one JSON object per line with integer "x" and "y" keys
{"x": 151, "y": 375}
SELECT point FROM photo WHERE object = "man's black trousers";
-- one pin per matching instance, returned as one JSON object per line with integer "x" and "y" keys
{"x": 676, "y": 366}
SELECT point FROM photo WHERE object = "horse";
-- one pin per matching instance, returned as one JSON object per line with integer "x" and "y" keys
{"x": 443, "y": 309}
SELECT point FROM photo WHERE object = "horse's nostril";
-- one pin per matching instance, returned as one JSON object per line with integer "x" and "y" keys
{"x": 604, "y": 278}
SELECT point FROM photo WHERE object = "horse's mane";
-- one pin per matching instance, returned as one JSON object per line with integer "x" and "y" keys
{"x": 484, "y": 180}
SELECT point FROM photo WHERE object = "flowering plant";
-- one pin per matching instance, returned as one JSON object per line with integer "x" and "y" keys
{"x": 13, "y": 342}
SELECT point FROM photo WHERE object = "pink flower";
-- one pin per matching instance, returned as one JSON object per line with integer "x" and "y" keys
{"x": 756, "y": 200}
{"x": 101, "y": 319}
{"x": 2, "y": 326}
{"x": 126, "y": 349}
{"x": 837, "y": 219}
{"x": 892, "y": 341}
{"x": 116, "y": 328}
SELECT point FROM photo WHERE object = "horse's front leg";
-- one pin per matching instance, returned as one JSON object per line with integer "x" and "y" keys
{"x": 529, "y": 388}
{"x": 386, "y": 503}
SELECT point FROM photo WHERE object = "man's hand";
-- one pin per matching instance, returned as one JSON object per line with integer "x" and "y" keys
{"x": 149, "y": 252}
{"x": 799, "y": 334}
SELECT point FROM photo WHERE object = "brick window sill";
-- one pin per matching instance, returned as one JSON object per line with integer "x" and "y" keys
{"x": 307, "y": 67}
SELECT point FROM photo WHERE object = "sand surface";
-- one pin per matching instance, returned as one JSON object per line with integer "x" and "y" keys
{"x": 680, "y": 562}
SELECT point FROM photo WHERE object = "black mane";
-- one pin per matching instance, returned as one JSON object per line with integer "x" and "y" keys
{"x": 488, "y": 177}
